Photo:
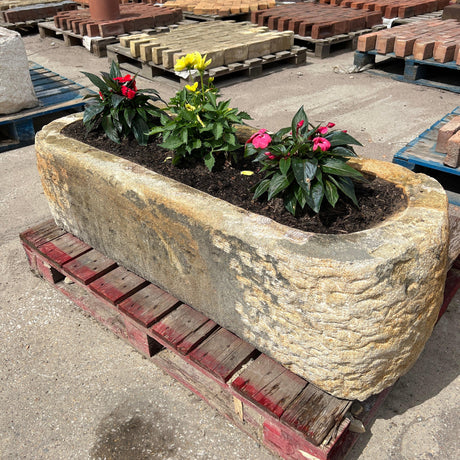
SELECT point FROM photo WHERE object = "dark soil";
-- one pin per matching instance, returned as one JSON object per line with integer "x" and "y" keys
{"x": 377, "y": 198}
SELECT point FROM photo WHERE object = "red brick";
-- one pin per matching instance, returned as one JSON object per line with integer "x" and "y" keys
{"x": 403, "y": 46}
{"x": 385, "y": 44}
{"x": 445, "y": 132}
{"x": 367, "y": 42}
{"x": 444, "y": 51}
{"x": 453, "y": 151}
{"x": 423, "y": 48}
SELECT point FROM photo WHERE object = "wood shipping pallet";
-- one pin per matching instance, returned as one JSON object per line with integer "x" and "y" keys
{"x": 420, "y": 155}
{"x": 281, "y": 410}
{"x": 427, "y": 72}
{"x": 324, "y": 46}
{"x": 23, "y": 28}
{"x": 250, "y": 68}
{"x": 57, "y": 97}
{"x": 271, "y": 404}
{"x": 215, "y": 17}
{"x": 96, "y": 45}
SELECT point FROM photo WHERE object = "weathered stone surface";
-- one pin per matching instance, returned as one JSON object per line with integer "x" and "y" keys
{"x": 351, "y": 313}
{"x": 16, "y": 89}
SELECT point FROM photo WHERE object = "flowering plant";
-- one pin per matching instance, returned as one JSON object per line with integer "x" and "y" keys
{"x": 200, "y": 126}
{"x": 304, "y": 163}
{"x": 120, "y": 107}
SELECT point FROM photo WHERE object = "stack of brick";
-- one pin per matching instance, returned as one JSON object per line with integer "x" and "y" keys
{"x": 38, "y": 11}
{"x": 435, "y": 39}
{"x": 315, "y": 20}
{"x": 448, "y": 142}
{"x": 224, "y": 42}
{"x": 220, "y": 7}
{"x": 133, "y": 17}
{"x": 393, "y": 8}
{"x": 6, "y": 5}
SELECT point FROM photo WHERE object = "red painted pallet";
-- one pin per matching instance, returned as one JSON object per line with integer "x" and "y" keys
{"x": 290, "y": 416}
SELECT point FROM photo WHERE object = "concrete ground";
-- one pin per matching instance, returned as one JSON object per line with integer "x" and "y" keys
{"x": 69, "y": 389}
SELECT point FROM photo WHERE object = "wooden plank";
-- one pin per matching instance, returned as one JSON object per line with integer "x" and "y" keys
{"x": 314, "y": 413}
{"x": 180, "y": 325}
{"x": 223, "y": 354}
{"x": 148, "y": 305}
{"x": 89, "y": 266}
{"x": 42, "y": 233}
{"x": 117, "y": 285}
{"x": 64, "y": 248}
{"x": 275, "y": 390}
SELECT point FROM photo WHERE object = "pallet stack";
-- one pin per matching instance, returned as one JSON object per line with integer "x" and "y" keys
{"x": 439, "y": 40}
{"x": 316, "y": 21}
{"x": 393, "y": 8}
{"x": 133, "y": 17}
{"x": 448, "y": 142}
{"x": 223, "y": 42}
{"x": 219, "y": 7}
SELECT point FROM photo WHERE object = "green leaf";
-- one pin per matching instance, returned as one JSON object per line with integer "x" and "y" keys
{"x": 109, "y": 129}
{"x": 330, "y": 190}
{"x": 342, "y": 151}
{"x": 299, "y": 116}
{"x": 114, "y": 70}
{"x": 140, "y": 130}
{"x": 285, "y": 164}
{"x": 345, "y": 184}
{"x": 117, "y": 100}
{"x": 91, "y": 111}
{"x": 304, "y": 171}
{"x": 341, "y": 138}
{"x": 338, "y": 167}
{"x": 184, "y": 136}
{"x": 217, "y": 130}
{"x": 278, "y": 183}
{"x": 129, "y": 114}
{"x": 196, "y": 144}
{"x": 209, "y": 160}
{"x": 172, "y": 143}
{"x": 261, "y": 188}
{"x": 290, "y": 203}
{"x": 301, "y": 196}
{"x": 96, "y": 81}
{"x": 315, "y": 197}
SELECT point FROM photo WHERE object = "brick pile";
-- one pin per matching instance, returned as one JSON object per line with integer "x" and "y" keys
{"x": 135, "y": 16}
{"x": 6, "y": 5}
{"x": 436, "y": 39}
{"x": 315, "y": 20}
{"x": 220, "y": 7}
{"x": 224, "y": 42}
{"x": 392, "y": 8}
{"x": 448, "y": 142}
{"x": 39, "y": 11}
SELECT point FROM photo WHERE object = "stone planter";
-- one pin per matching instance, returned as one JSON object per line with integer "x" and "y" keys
{"x": 350, "y": 313}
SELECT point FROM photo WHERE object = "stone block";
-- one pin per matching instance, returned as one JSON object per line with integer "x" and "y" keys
{"x": 16, "y": 88}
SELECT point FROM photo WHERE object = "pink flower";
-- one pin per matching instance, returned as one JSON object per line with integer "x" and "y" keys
{"x": 129, "y": 93}
{"x": 344, "y": 131}
{"x": 320, "y": 142}
{"x": 330, "y": 125}
{"x": 270, "y": 156}
{"x": 101, "y": 95}
{"x": 322, "y": 130}
{"x": 124, "y": 79}
{"x": 260, "y": 140}
{"x": 299, "y": 125}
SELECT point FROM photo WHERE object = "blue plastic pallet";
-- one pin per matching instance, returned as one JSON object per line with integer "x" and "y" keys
{"x": 420, "y": 155}
{"x": 427, "y": 72}
{"x": 57, "y": 96}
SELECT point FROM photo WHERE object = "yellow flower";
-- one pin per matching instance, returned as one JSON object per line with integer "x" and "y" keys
{"x": 199, "y": 119}
{"x": 185, "y": 63}
{"x": 193, "y": 87}
{"x": 190, "y": 107}
{"x": 200, "y": 61}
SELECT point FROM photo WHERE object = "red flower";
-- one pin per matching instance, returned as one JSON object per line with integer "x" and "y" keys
{"x": 270, "y": 155}
{"x": 129, "y": 93}
{"x": 320, "y": 142}
{"x": 330, "y": 125}
{"x": 322, "y": 130}
{"x": 299, "y": 125}
{"x": 260, "y": 140}
{"x": 101, "y": 95}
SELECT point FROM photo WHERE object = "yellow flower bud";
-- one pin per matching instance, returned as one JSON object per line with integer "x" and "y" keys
{"x": 190, "y": 107}
{"x": 200, "y": 121}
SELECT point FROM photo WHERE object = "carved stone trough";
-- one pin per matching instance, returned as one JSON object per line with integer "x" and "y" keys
{"x": 350, "y": 313}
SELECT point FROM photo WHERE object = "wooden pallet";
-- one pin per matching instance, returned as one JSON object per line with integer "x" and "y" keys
{"x": 281, "y": 410}
{"x": 425, "y": 72}
{"x": 96, "y": 45}
{"x": 250, "y": 68}
{"x": 240, "y": 17}
{"x": 325, "y": 46}
{"x": 420, "y": 155}
{"x": 57, "y": 96}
